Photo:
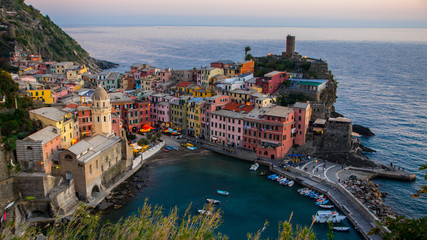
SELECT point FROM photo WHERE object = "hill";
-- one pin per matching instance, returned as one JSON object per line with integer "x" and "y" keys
{"x": 25, "y": 29}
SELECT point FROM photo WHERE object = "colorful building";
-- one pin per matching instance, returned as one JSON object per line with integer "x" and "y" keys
{"x": 269, "y": 131}
{"x": 36, "y": 152}
{"x": 50, "y": 116}
{"x": 272, "y": 81}
{"x": 207, "y": 73}
{"x": 302, "y": 119}
{"x": 44, "y": 95}
{"x": 210, "y": 105}
{"x": 193, "y": 116}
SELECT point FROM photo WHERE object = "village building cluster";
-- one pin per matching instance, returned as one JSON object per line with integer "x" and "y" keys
{"x": 85, "y": 117}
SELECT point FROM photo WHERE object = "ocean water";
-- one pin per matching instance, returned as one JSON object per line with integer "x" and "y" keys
{"x": 381, "y": 74}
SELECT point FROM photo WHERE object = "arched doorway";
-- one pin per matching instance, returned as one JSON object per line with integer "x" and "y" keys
{"x": 95, "y": 191}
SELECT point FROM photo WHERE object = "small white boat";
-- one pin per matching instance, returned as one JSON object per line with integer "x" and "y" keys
{"x": 326, "y": 206}
{"x": 254, "y": 167}
{"x": 191, "y": 148}
{"x": 341, "y": 229}
{"x": 326, "y": 216}
{"x": 291, "y": 183}
{"x": 222, "y": 192}
{"x": 204, "y": 212}
{"x": 213, "y": 201}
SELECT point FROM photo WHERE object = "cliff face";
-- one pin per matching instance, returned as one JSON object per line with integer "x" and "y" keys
{"x": 32, "y": 32}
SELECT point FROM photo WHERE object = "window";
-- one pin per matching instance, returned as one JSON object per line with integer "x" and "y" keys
{"x": 90, "y": 168}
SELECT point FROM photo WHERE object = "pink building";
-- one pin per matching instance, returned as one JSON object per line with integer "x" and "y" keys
{"x": 211, "y": 104}
{"x": 164, "y": 76}
{"x": 227, "y": 128}
{"x": 272, "y": 81}
{"x": 302, "y": 119}
{"x": 269, "y": 131}
{"x": 116, "y": 124}
{"x": 160, "y": 108}
{"x": 36, "y": 152}
{"x": 146, "y": 72}
{"x": 59, "y": 93}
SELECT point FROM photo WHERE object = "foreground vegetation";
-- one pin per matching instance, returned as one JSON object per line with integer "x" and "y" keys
{"x": 149, "y": 223}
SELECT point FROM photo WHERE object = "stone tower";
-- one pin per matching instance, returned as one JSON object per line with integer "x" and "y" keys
{"x": 101, "y": 112}
{"x": 290, "y": 46}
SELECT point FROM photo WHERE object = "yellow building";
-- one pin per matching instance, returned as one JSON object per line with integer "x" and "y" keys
{"x": 44, "y": 95}
{"x": 203, "y": 93}
{"x": 193, "y": 116}
{"x": 50, "y": 116}
{"x": 207, "y": 73}
{"x": 178, "y": 111}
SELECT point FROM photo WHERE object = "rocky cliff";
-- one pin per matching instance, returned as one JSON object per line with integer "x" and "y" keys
{"x": 31, "y": 32}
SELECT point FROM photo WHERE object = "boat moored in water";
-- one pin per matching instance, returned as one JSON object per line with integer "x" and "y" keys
{"x": 326, "y": 206}
{"x": 213, "y": 201}
{"x": 291, "y": 183}
{"x": 204, "y": 212}
{"x": 326, "y": 216}
{"x": 341, "y": 229}
{"x": 222, "y": 192}
{"x": 254, "y": 167}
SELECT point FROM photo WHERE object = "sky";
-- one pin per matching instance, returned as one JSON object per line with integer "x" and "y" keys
{"x": 286, "y": 13}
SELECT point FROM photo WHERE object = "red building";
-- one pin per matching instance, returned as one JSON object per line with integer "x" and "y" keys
{"x": 302, "y": 119}
{"x": 272, "y": 81}
{"x": 84, "y": 116}
{"x": 222, "y": 64}
{"x": 146, "y": 72}
{"x": 134, "y": 113}
{"x": 269, "y": 131}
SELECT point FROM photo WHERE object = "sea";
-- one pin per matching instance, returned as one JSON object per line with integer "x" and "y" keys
{"x": 381, "y": 74}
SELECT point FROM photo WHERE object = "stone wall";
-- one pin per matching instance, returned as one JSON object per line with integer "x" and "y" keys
{"x": 36, "y": 185}
{"x": 64, "y": 198}
{"x": 7, "y": 192}
{"x": 337, "y": 136}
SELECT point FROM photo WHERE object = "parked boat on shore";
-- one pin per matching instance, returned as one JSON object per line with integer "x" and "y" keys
{"x": 174, "y": 148}
{"x": 326, "y": 216}
{"x": 191, "y": 148}
{"x": 222, "y": 192}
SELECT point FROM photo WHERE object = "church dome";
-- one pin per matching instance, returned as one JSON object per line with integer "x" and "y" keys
{"x": 100, "y": 94}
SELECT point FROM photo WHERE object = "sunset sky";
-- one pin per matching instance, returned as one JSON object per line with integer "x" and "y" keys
{"x": 325, "y": 13}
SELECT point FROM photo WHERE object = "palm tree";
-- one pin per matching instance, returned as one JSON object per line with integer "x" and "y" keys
{"x": 247, "y": 49}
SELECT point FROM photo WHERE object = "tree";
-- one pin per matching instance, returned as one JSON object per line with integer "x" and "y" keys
{"x": 143, "y": 142}
{"x": 247, "y": 49}
{"x": 249, "y": 57}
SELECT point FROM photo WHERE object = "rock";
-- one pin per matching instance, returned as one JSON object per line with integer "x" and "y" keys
{"x": 108, "y": 197}
{"x": 124, "y": 192}
{"x": 139, "y": 186}
{"x": 104, "y": 205}
{"x": 40, "y": 237}
{"x": 335, "y": 115}
{"x": 364, "y": 131}
{"x": 117, "y": 206}
{"x": 366, "y": 149}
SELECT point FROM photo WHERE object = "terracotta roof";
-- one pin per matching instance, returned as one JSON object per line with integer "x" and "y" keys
{"x": 238, "y": 107}
{"x": 184, "y": 84}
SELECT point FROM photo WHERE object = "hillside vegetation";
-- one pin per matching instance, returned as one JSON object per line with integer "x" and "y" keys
{"x": 31, "y": 32}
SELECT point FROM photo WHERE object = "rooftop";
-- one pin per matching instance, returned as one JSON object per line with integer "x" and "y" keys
{"x": 279, "y": 111}
{"x": 50, "y": 113}
{"x": 230, "y": 114}
{"x": 46, "y": 134}
{"x": 270, "y": 74}
{"x": 301, "y": 105}
{"x": 92, "y": 146}
{"x": 340, "y": 119}
{"x": 184, "y": 84}
{"x": 238, "y": 107}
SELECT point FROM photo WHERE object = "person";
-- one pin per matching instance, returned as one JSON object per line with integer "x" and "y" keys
{"x": 339, "y": 180}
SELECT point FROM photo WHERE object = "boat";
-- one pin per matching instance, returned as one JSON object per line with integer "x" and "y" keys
{"x": 184, "y": 145}
{"x": 204, "y": 212}
{"x": 262, "y": 173}
{"x": 272, "y": 176}
{"x": 326, "y": 206}
{"x": 213, "y": 201}
{"x": 341, "y": 229}
{"x": 190, "y": 145}
{"x": 301, "y": 189}
{"x": 165, "y": 150}
{"x": 222, "y": 192}
{"x": 326, "y": 216}
{"x": 168, "y": 148}
{"x": 174, "y": 148}
{"x": 254, "y": 167}
{"x": 275, "y": 177}
{"x": 322, "y": 202}
{"x": 191, "y": 148}
{"x": 291, "y": 183}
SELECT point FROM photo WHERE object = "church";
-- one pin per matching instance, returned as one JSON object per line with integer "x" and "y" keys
{"x": 95, "y": 162}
